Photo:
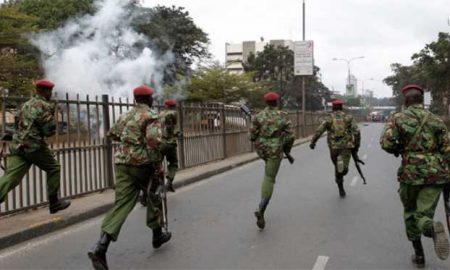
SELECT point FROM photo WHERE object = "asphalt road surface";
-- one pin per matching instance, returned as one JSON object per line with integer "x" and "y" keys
{"x": 308, "y": 225}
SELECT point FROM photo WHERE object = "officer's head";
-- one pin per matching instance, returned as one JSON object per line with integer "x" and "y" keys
{"x": 170, "y": 103}
{"x": 271, "y": 99}
{"x": 413, "y": 94}
{"x": 44, "y": 88}
{"x": 337, "y": 104}
{"x": 143, "y": 94}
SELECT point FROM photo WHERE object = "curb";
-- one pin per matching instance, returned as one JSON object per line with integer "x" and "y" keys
{"x": 59, "y": 222}
{"x": 51, "y": 226}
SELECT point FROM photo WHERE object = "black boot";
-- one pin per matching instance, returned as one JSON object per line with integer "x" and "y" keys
{"x": 341, "y": 190}
{"x": 259, "y": 214}
{"x": 98, "y": 253}
{"x": 169, "y": 185}
{"x": 57, "y": 204}
{"x": 160, "y": 237}
{"x": 418, "y": 258}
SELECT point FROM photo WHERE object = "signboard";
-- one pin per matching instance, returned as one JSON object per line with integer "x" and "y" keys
{"x": 304, "y": 57}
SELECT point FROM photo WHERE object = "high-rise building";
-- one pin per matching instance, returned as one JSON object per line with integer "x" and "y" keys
{"x": 237, "y": 53}
{"x": 352, "y": 86}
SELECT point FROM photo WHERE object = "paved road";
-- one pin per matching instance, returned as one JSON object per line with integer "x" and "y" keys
{"x": 308, "y": 225}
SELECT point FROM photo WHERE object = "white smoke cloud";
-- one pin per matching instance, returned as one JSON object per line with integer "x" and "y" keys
{"x": 100, "y": 53}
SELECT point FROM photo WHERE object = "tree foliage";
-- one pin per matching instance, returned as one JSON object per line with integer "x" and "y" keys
{"x": 215, "y": 83}
{"x": 275, "y": 67}
{"x": 430, "y": 69}
{"x": 172, "y": 29}
{"x": 52, "y": 14}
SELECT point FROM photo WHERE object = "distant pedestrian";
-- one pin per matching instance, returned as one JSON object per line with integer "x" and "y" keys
{"x": 421, "y": 138}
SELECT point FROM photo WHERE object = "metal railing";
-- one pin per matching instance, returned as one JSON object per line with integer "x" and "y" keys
{"x": 211, "y": 132}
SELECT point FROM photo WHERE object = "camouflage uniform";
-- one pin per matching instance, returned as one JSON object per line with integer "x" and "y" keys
{"x": 137, "y": 160}
{"x": 341, "y": 147}
{"x": 168, "y": 119}
{"x": 425, "y": 165}
{"x": 271, "y": 132}
{"x": 28, "y": 147}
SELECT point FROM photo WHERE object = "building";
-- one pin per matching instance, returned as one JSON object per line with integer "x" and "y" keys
{"x": 352, "y": 86}
{"x": 237, "y": 53}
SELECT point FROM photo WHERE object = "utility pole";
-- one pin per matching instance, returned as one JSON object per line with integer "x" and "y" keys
{"x": 303, "y": 82}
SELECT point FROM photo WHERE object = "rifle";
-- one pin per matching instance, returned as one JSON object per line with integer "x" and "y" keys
{"x": 446, "y": 193}
{"x": 248, "y": 113}
{"x": 161, "y": 192}
{"x": 357, "y": 160}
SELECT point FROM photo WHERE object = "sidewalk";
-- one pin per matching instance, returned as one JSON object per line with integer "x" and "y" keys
{"x": 20, "y": 227}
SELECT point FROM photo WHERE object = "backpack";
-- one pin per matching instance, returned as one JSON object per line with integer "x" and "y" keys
{"x": 339, "y": 125}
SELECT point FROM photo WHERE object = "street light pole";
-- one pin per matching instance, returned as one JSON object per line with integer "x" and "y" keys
{"x": 303, "y": 80}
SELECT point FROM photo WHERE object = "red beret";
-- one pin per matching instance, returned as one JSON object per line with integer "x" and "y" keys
{"x": 170, "y": 103}
{"x": 337, "y": 102}
{"x": 45, "y": 84}
{"x": 271, "y": 96}
{"x": 143, "y": 90}
{"x": 408, "y": 87}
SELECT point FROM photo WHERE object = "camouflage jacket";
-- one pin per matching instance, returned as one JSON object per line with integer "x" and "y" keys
{"x": 350, "y": 140}
{"x": 168, "y": 119}
{"x": 270, "y": 131}
{"x": 35, "y": 122}
{"x": 139, "y": 135}
{"x": 425, "y": 155}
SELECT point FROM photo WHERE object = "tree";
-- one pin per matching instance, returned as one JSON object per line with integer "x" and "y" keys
{"x": 215, "y": 83}
{"x": 52, "y": 14}
{"x": 18, "y": 59}
{"x": 275, "y": 67}
{"x": 430, "y": 69}
{"x": 171, "y": 29}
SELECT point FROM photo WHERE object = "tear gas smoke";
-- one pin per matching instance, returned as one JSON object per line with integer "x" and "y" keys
{"x": 100, "y": 53}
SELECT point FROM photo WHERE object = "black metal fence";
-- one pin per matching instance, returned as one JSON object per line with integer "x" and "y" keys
{"x": 210, "y": 132}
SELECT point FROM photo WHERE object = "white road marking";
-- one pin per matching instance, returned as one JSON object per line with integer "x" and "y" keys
{"x": 47, "y": 239}
{"x": 321, "y": 263}
{"x": 354, "y": 181}
{"x": 365, "y": 156}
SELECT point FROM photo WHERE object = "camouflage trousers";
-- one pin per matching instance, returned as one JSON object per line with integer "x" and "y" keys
{"x": 419, "y": 203}
{"x": 169, "y": 151}
{"x": 130, "y": 180}
{"x": 19, "y": 164}
{"x": 270, "y": 173}
{"x": 341, "y": 156}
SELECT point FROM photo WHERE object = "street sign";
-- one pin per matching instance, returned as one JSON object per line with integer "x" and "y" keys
{"x": 304, "y": 57}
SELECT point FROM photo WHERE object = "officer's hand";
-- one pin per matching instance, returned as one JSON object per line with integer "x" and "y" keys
{"x": 312, "y": 145}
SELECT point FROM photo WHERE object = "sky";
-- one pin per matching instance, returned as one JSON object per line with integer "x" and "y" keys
{"x": 383, "y": 31}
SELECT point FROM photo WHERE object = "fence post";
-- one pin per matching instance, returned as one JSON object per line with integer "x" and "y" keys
{"x": 107, "y": 142}
{"x": 298, "y": 123}
{"x": 181, "y": 138}
{"x": 224, "y": 131}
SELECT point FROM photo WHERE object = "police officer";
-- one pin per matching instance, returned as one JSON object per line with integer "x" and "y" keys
{"x": 137, "y": 160}
{"x": 421, "y": 139}
{"x": 168, "y": 119}
{"x": 272, "y": 134}
{"x": 343, "y": 138}
{"x": 35, "y": 122}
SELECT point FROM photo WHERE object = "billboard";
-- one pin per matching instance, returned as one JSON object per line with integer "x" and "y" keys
{"x": 304, "y": 57}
